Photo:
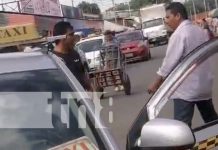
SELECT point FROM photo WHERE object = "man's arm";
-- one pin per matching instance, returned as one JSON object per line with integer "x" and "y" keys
{"x": 155, "y": 85}
{"x": 174, "y": 53}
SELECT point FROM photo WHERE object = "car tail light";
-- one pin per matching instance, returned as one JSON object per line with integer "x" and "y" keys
{"x": 130, "y": 47}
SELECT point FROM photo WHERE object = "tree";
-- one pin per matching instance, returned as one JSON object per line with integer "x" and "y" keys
{"x": 160, "y": 1}
{"x": 91, "y": 8}
{"x": 122, "y": 6}
{"x": 137, "y": 4}
{"x": 199, "y": 5}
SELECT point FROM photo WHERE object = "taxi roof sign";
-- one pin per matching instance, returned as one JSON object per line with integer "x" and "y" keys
{"x": 32, "y": 41}
{"x": 17, "y": 33}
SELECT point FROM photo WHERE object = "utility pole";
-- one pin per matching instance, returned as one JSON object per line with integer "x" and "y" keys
{"x": 129, "y": 9}
{"x": 115, "y": 15}
{"x": 72, "y": 3}
{"x": 193, "y": 3}
{"x": 205, "y": 8}
{"x": 3, "y": 9}
{"x": 208, "y": 6}
{"x": 191, "y": 13}
{"x": 216, "y": 3}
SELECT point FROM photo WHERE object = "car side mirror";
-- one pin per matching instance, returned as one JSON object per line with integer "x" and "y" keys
{"x": 166, "y": 134}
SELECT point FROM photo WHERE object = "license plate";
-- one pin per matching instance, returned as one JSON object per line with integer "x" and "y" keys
{"x": 129, "y": 55}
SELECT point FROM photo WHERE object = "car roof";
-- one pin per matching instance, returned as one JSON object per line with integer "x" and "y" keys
{"x": 25, "y": 61}
{"x": 128, "y": 32}
{"x": 90, "y": 39}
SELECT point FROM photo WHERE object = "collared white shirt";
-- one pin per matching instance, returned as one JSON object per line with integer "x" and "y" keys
{"x": 198, "y": 85}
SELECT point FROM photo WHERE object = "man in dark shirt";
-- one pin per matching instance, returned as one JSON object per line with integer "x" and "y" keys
{"x": 64, "y": 50}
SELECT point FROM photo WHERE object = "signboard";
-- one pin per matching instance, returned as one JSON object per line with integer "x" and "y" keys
{"x": 18, "y": 33}
{"x": 41, "y": 7}
{"x": 82, "y": 143}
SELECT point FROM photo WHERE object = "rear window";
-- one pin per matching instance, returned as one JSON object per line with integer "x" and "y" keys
{"x": 90, "y": 46}
{"x": 134, "y": 36}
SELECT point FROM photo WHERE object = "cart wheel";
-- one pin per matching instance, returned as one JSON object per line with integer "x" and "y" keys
{"x": 127, "y": 86}
{"x": 100, "y": 89}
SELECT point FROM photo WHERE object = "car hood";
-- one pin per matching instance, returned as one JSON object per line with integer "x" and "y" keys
{"x": 148, "y": 31}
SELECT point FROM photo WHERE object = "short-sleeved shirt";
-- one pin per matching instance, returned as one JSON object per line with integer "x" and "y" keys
{"x": 74, "y": 64}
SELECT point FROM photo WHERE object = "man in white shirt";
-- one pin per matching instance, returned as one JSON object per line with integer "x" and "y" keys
{"x": 197, "y": 88}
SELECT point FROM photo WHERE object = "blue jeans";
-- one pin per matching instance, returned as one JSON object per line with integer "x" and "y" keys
{"x": 184, "y": 110}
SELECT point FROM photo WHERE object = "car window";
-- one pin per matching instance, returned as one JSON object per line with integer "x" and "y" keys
{"x": 134, "y": 36}
{"x": 89, "y": 46}
{"x": 152, "y": 23}
{"x": 39, "y": 111}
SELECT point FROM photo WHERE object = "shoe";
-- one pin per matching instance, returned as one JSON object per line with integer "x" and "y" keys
{"x": 116, "y": 89}
{"x": 121, "y": 88}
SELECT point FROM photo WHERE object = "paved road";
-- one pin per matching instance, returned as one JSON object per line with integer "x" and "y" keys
{"x": 126, "y": 108}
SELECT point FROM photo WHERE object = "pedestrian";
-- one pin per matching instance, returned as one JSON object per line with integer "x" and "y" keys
{"x": 112, "y": 51}
{"x": 196, "y": 89}
{"x": 64, "y": 48}
{"x": 207, "y": 29}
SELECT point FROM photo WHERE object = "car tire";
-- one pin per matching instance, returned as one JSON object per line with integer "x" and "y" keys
{"x": 147, "y": 57}
{"x": 127, "y": 85}
{"x": 101, "y": 90}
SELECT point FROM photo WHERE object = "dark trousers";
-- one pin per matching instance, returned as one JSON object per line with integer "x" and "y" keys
{"x": 184, "y": 110}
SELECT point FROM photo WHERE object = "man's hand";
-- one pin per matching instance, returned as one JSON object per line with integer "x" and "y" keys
{"x": 152, "y": 88}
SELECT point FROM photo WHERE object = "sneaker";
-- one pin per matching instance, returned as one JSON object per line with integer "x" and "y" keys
{"x": 116, "y": 89}
{"x": 121, "y": 88}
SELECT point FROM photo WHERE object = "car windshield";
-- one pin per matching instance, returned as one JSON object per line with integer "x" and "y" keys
{"x": 134, "y": 36}
{"x": 40, "y": 111}
{"x": 90, "y": 46}
{"x": 152, "y": 23}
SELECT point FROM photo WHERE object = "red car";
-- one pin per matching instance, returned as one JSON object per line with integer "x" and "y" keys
{"x": 134, "y": 45}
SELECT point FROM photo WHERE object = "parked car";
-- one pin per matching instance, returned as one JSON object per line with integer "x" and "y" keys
{"x": 91, "y": 48}
{"x": 40, "y": 106}
{"x": 134, "y": 45}
{"x": 83, "y": 59}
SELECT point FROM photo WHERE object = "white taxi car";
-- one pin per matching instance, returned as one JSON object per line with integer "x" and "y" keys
{"x": 91, "y": 48}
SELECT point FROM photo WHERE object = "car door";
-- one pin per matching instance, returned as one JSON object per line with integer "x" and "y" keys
{"x": 206, "y": 135}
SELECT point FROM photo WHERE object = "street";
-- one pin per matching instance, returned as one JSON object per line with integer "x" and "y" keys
{"x": 126, "y": 108}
